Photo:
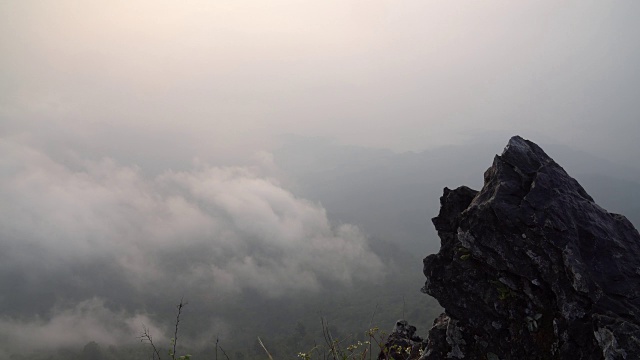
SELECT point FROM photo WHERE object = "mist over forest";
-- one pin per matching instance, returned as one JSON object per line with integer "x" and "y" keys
{"x": 275, "y": 163}
{"x": 250, "y": 257}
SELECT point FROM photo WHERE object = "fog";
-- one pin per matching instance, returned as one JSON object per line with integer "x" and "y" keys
{"x": 222, "y": 77}
{"x": 243, "y": 153}
{"x": 90, "y": 228}
{"x": 87, "y": 321}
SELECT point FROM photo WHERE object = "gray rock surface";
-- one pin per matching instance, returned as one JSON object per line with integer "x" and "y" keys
{"x": 403, "y": 343}
{"x": 530, "y": 267}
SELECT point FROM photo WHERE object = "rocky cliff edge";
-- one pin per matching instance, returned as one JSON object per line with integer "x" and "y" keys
{"x": 530, "y": 267}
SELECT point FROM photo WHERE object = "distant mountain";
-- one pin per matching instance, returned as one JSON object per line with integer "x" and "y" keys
{"x": 392, "y": 196}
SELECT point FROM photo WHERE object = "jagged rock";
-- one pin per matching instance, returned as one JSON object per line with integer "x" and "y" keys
{"x": 402, "y": 344}
{"x": 530, "y": 267}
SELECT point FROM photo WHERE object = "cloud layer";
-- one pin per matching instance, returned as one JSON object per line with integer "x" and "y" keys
{"x": 87, "y": 321}
{"x": 77, "y": 229}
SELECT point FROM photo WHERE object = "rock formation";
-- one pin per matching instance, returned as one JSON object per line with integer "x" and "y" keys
{"x": 403, "y": 343}
{"x": 530, "y": 267}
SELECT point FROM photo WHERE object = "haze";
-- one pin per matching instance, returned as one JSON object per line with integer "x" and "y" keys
{"x": 268, "y": 150}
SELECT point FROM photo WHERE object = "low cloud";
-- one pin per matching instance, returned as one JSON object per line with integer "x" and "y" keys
{"x": 86, "y": 321}
{"x": 73, "y": 230}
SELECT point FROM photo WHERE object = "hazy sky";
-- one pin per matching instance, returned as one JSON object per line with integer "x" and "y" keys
{"x": 134, "y": 125}
{"x": 215, "y": 76}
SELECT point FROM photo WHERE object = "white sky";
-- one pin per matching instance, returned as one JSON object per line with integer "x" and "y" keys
{"x": 224, "y": 76}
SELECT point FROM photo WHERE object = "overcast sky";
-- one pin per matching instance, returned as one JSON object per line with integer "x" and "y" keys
{"x": 134, "y": 125}
{"x": 222, "y": 77}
